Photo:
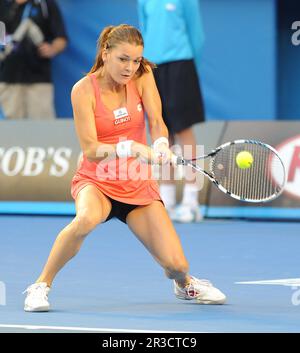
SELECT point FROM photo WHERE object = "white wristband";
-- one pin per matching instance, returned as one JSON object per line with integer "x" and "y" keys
{"x": 123, "y": 148}
{"x": 160, "y": 140}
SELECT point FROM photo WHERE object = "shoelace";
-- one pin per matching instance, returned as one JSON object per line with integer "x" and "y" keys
{"x": 190, "y": 289}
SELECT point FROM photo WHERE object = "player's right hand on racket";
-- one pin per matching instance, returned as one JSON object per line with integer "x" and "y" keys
{"x": 146, "y": 154}
{"x": 165, "y": 154}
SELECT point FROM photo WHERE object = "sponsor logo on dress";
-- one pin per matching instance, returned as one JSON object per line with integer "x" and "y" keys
{"x": 121, "y": 116}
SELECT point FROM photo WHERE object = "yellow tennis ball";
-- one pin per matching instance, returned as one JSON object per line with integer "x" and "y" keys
{"x": 244, "y": 159}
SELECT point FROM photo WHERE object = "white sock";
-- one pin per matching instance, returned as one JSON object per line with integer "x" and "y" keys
{"x": 190, "y": 194}
{"x": 168, "y": 194}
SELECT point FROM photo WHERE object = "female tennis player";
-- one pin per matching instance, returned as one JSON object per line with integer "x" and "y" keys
{"x": 113, "y": 178}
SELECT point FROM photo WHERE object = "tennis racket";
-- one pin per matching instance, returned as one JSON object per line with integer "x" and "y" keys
{"x": 263, "y": 181}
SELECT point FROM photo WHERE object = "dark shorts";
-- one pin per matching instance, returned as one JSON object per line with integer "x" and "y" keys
{"x": 119, "y": 210}
{"x": 180, "y": 93}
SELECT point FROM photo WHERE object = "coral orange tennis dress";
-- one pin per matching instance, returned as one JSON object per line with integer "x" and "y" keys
{"x": 126, "y": 180}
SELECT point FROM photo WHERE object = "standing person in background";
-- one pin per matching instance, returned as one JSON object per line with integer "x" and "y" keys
{"x": 173, "y": 34}
{"x": 36, "y": 34}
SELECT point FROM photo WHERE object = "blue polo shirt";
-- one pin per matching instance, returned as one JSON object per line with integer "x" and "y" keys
{"x": 172, "y": 30}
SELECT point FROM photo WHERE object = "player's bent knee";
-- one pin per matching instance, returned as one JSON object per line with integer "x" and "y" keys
{"x": 86, "y": 222}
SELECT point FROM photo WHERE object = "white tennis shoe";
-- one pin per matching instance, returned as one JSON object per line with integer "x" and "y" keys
{"x": 200, "y": 290}
{"x": 185, "y": 213}
{"x": 37, "y": 297}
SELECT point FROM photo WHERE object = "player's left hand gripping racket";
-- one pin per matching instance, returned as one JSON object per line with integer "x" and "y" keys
{"x": 263, "y": 181}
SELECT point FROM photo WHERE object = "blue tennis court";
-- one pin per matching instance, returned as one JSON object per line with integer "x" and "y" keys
{"x": 113, "y": 284}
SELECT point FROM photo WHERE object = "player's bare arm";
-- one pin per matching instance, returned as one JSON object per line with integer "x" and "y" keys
{"x": 152, "y": 104}
{"x": 83, "y": 103}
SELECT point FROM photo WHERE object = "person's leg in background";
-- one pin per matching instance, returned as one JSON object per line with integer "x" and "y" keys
{"x": 189, "y": 209}
{"x": 189, "y": 111}
{"x": 182, "y": 105}
{"x": 167, "y": 186}
{"x": 12, "y": 101}
{"x": 40, "y": 101}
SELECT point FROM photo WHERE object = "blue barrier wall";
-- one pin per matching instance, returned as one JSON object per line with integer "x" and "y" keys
{"x": 288, "y": 60}
{"x": 239, "y": 61}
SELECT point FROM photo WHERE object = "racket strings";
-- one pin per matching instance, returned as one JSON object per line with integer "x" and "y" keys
{"x": 264, "y": 178}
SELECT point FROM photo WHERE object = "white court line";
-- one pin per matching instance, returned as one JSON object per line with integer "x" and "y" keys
{"x": 94, "y": 329}
{"x": 290, "y": 282}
